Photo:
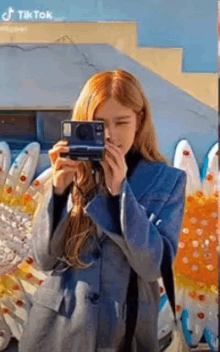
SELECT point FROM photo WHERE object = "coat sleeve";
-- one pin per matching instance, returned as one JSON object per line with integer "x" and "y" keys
{"x": 46, "y": 244}
{"x": 141, "y": 241}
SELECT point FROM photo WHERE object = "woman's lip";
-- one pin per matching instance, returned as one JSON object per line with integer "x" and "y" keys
{"x": 116, "y": 145}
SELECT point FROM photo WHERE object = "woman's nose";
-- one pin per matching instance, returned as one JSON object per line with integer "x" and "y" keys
{"x": 109, "y": 134}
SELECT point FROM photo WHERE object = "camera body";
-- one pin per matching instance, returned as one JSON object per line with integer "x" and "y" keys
{"x": 86, "y": 139}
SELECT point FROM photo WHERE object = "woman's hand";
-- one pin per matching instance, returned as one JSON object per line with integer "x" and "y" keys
{"x": 64, "y": 170}
{"x": 115, "y": 168}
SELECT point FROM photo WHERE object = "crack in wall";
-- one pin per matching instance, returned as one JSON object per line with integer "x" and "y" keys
{"x": 69, "y": 40}
{"x": 21, "y": 48}
{"x": 213, "y": 127}
{"x": 62, "y": 40}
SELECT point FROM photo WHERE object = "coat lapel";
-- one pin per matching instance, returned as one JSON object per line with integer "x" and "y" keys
{"x": 143, "y": 178}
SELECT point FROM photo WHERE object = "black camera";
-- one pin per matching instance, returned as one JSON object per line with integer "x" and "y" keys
{"x": 86, "y": 139}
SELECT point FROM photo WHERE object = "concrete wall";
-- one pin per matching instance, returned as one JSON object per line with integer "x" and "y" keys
{"x": 52, "y": 77}
{"x": 189, "y": 24}
{"x": 165, "y": 62}
{"x": 169, "y": 45}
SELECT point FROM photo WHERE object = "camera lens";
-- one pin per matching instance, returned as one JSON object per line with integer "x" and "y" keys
{"x": 84, "y": 132}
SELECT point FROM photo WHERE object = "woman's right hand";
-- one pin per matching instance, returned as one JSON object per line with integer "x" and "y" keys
{"x": 64, "y": 170}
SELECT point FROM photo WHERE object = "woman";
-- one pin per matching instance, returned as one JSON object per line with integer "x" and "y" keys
{"x": 121, "y": 220}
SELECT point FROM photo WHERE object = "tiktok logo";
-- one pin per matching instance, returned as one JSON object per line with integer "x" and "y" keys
{"x": 7, "y": 16}
{"x": 26, "y": 15}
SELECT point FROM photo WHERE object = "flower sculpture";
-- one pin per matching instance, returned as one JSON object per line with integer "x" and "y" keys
{"x": 196, "y": 264}
{"x": 19, "y": 276}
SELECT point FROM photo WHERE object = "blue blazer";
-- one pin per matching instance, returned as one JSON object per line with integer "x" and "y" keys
{"x": 85, "y": 310}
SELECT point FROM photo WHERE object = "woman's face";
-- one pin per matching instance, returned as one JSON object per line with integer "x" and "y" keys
{"x": 120, "y": 124}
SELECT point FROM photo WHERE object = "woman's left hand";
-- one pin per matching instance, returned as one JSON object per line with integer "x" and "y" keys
{"x": 115, "y": 168}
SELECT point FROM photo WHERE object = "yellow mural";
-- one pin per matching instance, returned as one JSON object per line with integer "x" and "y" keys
{"x": 166, "y": 62}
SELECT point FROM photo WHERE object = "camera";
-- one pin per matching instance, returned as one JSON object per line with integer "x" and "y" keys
{"x": 86, "y": 139}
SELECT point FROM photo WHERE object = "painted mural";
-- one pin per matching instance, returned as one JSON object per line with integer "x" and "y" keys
{"x": 46, "y": 55}
{"x": 195, "y": 266}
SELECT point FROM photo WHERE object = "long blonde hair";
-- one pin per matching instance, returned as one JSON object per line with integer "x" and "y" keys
{"x": 127, "y": 90}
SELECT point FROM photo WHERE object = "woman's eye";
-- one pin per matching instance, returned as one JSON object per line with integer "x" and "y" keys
{"x": 121, "y": 123}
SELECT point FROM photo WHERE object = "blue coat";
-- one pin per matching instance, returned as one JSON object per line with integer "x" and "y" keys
{"x": 85, "y": 310}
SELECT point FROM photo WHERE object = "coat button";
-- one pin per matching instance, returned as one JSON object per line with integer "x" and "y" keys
{"x": 94, "y": 298}
{"x": 96, "y": 254}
